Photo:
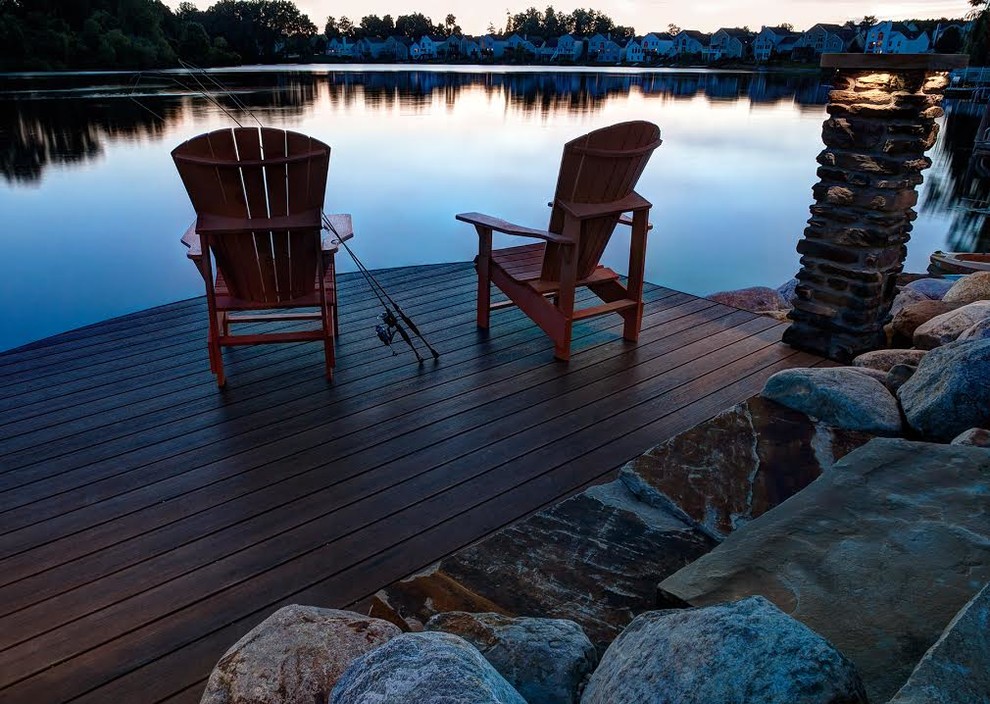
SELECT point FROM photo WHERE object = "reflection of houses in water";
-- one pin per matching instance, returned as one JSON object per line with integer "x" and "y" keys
{"x": 47, "y": 127}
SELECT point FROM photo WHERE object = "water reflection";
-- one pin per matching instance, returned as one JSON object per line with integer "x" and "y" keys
{"x": 89, "y": 190}
{"x": 958, "y": 185}
{"x": 67, "y": 119}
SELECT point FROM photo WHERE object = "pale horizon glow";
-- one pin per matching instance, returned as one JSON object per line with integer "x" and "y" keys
{"x": 644, "y": 15}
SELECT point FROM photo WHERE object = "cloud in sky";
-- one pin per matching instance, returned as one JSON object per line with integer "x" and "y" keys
{"x": 644, "y": 15}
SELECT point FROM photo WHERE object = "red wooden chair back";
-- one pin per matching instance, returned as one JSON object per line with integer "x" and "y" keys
{"x": 600, "y": 167}
{"x": 263, "y": 174}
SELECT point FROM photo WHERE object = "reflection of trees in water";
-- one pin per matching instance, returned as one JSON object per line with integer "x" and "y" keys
{"x": 955, "y": 185}
{"x": 37, "y": 133}
{"x": 67, "y": 119}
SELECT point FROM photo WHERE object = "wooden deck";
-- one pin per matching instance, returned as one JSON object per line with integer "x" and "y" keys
{"x": 149, "y": 520}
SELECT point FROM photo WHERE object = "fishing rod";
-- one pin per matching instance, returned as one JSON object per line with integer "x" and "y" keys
{"x": 373, "y": 282}
{"x": 390, "y": 323}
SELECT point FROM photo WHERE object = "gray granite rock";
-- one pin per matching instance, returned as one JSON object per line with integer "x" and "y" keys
{"x": 726, "y": 471}
{"x": 974, "y": 437}
{"x": 758, "y": 299}
{"x": 876, "y": 555}
{"x": 295, "y": 655}
{"x": 425, "y": 668}
{"x": 949, "y": 393}
{"x": 911, "y": 316}
{"x": 947, "y": 327}
{"x": 843, "y": 397}
{"x": 980, "y": 331}
{"x": 788, "y": 291}
{"x": 898, "y": 376}
{"x": 975, "y": 287}
{"x": 594, "y": 559}
{"x": 883, "y": 360}
{"x": 956, "y": 670}
{"x": 904, "y": 298}
{"x": 747, "y": 652}
{"x": 548, "y": 661}
{"x": 934, "y": 289}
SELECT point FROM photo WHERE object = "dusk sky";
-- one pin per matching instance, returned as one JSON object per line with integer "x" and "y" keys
{"x": 644, "y": 15}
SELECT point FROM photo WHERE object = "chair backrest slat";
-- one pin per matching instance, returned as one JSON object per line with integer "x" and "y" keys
{"x": 256, "y": 173}
{"x": 600, "y": 167}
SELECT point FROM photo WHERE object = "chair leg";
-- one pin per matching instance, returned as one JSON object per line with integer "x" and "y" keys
{"x": 565, "y": 302}
{"x": 484, "y": 264}
{"x": 333, "y": 278}
{"x": 637, "y": 269}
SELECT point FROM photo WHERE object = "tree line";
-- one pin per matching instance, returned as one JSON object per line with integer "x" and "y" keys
{"x": 41, "y": 35}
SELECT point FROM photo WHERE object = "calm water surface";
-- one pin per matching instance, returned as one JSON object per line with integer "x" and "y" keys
{"x": 92, "y": 207}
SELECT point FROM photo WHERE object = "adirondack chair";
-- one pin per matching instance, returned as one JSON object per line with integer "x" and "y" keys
{"x": 598, "y": 173}
{"x": 258, "y": 196}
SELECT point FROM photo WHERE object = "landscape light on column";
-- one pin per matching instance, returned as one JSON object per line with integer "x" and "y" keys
{"x": 882, "y": 110}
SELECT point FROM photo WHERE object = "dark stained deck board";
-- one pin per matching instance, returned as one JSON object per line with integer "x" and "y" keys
{"x": 149, "y": 520}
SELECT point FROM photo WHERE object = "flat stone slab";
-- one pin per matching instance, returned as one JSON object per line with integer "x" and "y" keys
{"x": 877, "y": 555}
{"x": 725, "y": 472}
{"x": 594, "y": 559}
{"x": 957, "y": 668}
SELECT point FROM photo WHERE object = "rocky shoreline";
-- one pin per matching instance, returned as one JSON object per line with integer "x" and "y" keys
{"x": 824, "y": 542}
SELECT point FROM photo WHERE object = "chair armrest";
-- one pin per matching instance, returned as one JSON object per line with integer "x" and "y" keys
{"x": 509, "y": 228}
{"x": 584, "y": 211}
{"x": 343, "y": 230}
{"x": 193, "y": 243}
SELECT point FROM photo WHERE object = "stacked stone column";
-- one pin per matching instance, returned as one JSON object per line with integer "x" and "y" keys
{"x": 882, "y": 112}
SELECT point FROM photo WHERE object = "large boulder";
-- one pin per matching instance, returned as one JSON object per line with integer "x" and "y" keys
{"x": 980, "y": 331}
{"x": 949, "y": 393}
{"x": 975, "y": 287}
{"x": 876, "y": 555}
{"x": 906, "y": 298}
{"x": 788, "y": 291}
{"x": 426, "y": 668}
{"x": 295, "y": 655}
{"x": 956, "y": 670}
{"x": 548, "y": 661}
{"x": 975, "y": 437}
{"x": 884, "y": 360}
{"x": 748, "y": 652}
{"x": 758, "y": 299}
{"x": 947, "y": 327}
{"x": 933, "y": 289}
{"x": 913, "y": 315}
{"x": 843, "y": 397}
{"x": 594, "y": 559}
{"x": 725, "y": 472}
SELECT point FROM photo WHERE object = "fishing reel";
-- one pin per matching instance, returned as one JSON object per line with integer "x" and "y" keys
{"x": 386, "y": 329}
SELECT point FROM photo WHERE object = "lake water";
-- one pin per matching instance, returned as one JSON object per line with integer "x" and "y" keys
{"x": 92, "y": 207}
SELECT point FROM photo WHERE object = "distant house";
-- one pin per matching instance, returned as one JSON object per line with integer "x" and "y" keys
{"x": 569, "y": 47}
{"x": 397, "y": 48}
{"x": 430, "y": 46}
{"x": 729, "y": 43}
{"x": 773, "y": 41}
{"x": 463, "y": 47}
{"x": 609, "y": 51}
{"x": 492, "y": 46}
{"x": 595, "y": 44}
{"x": 632, "y": 51}
{"x": 896, "y": 38}
{"x": 517, "y": 44}
{"x": 963, "y": 28}
{"x": 340, "y": 48}
{"x": 828, "y": 39}
{"x": 658, "y": 45}
{"x": 369, "y": 48}
{"x": 689, "y": 42}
